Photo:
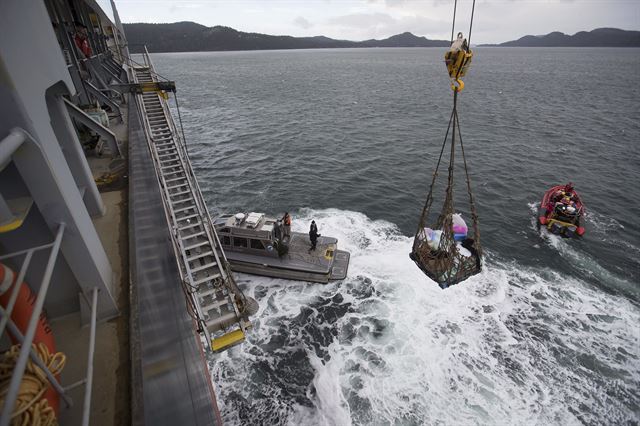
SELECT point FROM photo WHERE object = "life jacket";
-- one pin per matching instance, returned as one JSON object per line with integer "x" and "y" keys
{"x": 287, "y": 220}
{"x": 83, "y": 45}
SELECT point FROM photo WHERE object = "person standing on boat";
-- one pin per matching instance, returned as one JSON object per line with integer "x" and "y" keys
{"x": 313, "y": 234}
{"x": 286, "y": 220}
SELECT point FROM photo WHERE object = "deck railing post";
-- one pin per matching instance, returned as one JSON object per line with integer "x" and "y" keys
{"x": 92, "y": 346}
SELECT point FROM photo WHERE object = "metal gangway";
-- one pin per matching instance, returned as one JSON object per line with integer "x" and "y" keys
{"x": 215, "y": 301}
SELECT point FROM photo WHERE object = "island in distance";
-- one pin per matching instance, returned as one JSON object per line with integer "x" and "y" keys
{"x": 600, "y": 37}
{"x": 192, "y": 37}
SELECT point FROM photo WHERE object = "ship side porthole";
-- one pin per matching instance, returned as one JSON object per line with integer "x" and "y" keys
{"x": 226, "y": 240}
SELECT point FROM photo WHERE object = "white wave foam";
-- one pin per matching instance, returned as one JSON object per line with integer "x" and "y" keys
{"x": 330, "y": 407}
{"x": 387, "y": 346}
{"x": 582, "y": 261}
{"x": 601, "y": 222}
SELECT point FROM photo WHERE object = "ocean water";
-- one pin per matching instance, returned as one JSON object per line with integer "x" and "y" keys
{"x": 549, "y": 332}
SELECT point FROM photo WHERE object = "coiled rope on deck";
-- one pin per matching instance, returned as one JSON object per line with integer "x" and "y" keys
{"x": 31, "y": 407}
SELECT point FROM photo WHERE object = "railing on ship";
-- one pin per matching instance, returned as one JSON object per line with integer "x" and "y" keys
{"x": 8, "y": 147}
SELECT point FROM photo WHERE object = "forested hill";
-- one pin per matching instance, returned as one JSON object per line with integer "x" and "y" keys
{"x": 601, "y": 37}
{"x": 192, "y": 37}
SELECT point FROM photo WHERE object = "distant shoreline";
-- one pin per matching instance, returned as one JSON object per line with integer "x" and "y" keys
{"x": 482, "y": 46}
{"x": 192, "y": 37}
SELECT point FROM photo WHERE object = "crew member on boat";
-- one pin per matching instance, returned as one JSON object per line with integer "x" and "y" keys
{"x": 286, "y": 220}
{"x": 313, "y": 234}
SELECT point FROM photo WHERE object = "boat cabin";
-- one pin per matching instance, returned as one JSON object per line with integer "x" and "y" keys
{"x": 248, "y": 233}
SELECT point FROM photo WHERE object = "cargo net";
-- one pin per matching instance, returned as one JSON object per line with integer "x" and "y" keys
{"x": 448, "y": 251}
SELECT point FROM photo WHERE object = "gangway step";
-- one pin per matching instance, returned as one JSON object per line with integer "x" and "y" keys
{"x": 177, "y": 186}
{"x": 203, "y": 267}
{"x": 162, "y": 146}
{"x": 186, "y": 200}
{"x": 170, "y": 154}
{"x": 175, "y": 194}
{"x": 165, "y": 145}
{"x": 200, "y": 256}
{"x": 177, "y": 179}
{"x": 205, "y": 279}
{"x": 197, "y": 234}
{"x": 222, "y": 321}
{"x": 165, "y": 154}
{"x": 200, "y": 244}
{"x": 175, "y": 173}
{"x": 191, "y": 216}
{"x": 184, "y": 209}
{"x": 194, "y": 225}
{"x": 216, "y": 304}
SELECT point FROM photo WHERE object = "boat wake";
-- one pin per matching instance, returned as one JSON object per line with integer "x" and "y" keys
{"x": 584, "y": 264}
{"x": 387, "y": 346}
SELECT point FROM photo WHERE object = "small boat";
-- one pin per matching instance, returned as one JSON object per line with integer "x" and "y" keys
{"x": 561, "y": 211}
{"x": 256, "y": 244}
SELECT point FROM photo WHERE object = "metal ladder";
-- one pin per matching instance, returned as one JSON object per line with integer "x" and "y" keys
{"x": 216, "y": 300}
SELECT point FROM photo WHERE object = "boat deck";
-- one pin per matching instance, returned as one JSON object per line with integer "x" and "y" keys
{"x": 323, "y": 264}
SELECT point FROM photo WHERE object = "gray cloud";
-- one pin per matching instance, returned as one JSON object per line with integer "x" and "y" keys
{"x": 302, "y": 23}
{"x": 390, "y": 3}
{"x": 384, "y": 25}
{"x": 361, "y": 20}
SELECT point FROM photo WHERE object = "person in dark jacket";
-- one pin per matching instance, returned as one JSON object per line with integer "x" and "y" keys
{"x": 313, "y": 234}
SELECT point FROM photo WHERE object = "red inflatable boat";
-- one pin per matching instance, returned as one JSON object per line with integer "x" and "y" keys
{"x": 562, "y": 211}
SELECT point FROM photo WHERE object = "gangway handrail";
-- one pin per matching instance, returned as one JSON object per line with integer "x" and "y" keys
{"x": 179, "y": 252}
{"x": 182, "y": 145}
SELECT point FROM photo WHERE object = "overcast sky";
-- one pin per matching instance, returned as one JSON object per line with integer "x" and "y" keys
{"x": 495, "y": 20}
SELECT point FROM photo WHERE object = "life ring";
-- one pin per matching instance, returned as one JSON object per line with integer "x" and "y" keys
{"x": 20, "y": 316}
{"x": 459, "y": 87}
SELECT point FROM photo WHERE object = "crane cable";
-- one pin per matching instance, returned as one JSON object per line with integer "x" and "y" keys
{"x": 458, "y": 59}
{"x": 453, "y": 25}
{"x": 454, "y": 115}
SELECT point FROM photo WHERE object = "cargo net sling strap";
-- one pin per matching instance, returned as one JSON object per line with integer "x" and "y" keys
{"x": 447, "y": 251}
